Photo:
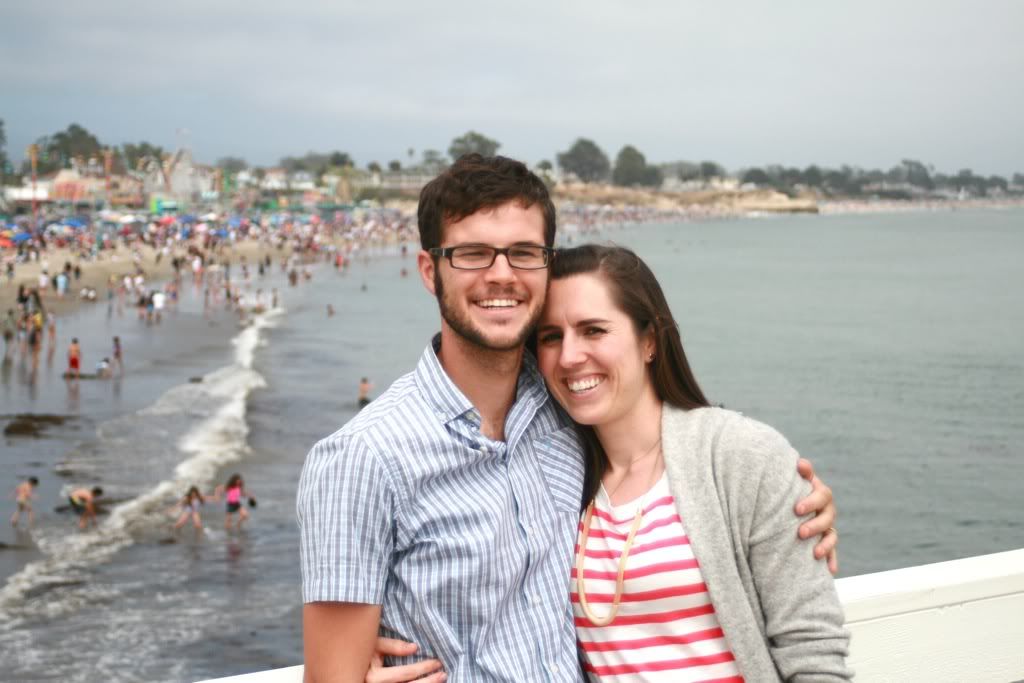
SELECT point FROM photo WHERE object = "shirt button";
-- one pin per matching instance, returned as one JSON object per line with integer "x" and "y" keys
{"x": 536, "y": 599}
{"x": 554, "y": 668}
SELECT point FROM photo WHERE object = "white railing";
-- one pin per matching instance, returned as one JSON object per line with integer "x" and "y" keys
{"x": 952, "y": 621}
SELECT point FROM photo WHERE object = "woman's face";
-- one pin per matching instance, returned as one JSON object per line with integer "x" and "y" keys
{"x": 589, "y": 352}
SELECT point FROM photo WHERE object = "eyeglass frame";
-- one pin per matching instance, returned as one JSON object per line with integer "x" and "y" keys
{"x": 446, "y": 252}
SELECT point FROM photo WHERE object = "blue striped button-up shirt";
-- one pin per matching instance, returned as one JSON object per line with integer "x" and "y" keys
{"x": 466, "y": 542}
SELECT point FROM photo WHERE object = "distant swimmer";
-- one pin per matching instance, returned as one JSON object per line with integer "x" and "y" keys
{"x": 330, "y": 311}
{"x": 103, "y": 370}
{"x": 83, "y": 502}
{"x": 74, "y": 359}
{"x": 405, "y": 272}
{"x": 23, "y": 494}
{"x": 118, "y": 358}
{"x": 190, "y": 507}
{"x": 364, "y": 392}
{"x": 234, "y": 492}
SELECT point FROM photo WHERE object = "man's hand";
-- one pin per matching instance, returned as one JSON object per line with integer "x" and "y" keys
{"x": 819, "y": 501}
{"x": 378, "y": 673}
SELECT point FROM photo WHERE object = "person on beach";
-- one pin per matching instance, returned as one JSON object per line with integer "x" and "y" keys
{"x": 117, "y": 357}
{"x": 446, "y": 513}
{"x": 686, "y": 504}
{"x": 83, "y": 503}
{"x": 190, "y": 507}
{"x": 234, "y": 493}
{"x": 74, "y": 359}
{"x": 364, "y": 392}
{"x": 51, "y": 328}
{"x": 10, "y": 327}
{"x": 23, "y": 495}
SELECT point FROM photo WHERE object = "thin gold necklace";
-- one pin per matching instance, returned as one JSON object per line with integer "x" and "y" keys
{"x": 620, "y": 576}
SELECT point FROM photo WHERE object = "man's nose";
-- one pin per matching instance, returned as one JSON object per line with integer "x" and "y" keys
{"x": 501, "y": 269}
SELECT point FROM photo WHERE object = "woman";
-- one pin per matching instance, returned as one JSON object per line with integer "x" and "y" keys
{"x": 671, "y": 483}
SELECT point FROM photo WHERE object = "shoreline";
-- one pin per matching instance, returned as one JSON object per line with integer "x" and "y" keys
{"x": 119, "y": 262}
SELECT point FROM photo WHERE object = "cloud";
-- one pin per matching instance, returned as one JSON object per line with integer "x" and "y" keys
{"x": 743, "y": 83}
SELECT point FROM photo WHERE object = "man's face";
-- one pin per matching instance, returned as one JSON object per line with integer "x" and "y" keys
{"x": 495, "y": 308}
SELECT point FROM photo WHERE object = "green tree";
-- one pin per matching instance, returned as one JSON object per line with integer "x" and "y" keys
{"x": 631, "y": 169}
{"x": 812, "y": 176}
{"x": 709, "y": 170}
{"x": 1018, "y": 179}
{"x": 373, "y": 167}
{"x": 917, "y": 174}
{"x": 232, "y": 164}
{"x": 756, "y": 176}
{"x": 132, "y": 154}
{"x": 686, "y": 171}
{"x": 395, "y": 166}
{"x": 545, "y": 165}
{"x": 433, "y": 162}
{"x": 56, "y": 151}
{"x": 586, "y": 160}
{"x": 340, "y": 159}
{"x": 473, "y": 142}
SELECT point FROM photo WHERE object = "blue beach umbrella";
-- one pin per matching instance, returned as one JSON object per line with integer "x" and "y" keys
{"x": 234, "y": 221}
{"x": 220, "y": 232}
{"x": 74, "y": 222}
{"x": 21, "y": 237}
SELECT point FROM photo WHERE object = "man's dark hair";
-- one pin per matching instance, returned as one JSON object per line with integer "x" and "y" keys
{"x": 474, "y": 183}
{"x": 97, "y": 491}
{"x": 34, "y": 481}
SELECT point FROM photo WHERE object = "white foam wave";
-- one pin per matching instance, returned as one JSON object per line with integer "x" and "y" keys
{"x": 216, "y": 441}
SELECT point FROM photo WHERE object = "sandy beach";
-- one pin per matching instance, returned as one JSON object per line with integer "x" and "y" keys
{"x": 117, "y": 262}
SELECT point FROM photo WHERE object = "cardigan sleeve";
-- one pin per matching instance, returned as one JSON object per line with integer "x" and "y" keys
{"x": 802, "y": 613}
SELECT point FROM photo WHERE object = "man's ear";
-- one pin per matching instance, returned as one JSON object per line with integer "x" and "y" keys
{"x": 425, "y": 264}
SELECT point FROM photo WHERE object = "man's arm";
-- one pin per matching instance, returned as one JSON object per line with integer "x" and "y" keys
{"x": 819, "y": 501}
{"x": 338, "y": 640}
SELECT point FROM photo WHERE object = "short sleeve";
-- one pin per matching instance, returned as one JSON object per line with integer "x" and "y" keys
{"x": 345, "y": 511}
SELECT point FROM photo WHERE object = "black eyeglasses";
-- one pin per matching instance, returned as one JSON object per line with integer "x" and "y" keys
{"x": 480, "y": 256}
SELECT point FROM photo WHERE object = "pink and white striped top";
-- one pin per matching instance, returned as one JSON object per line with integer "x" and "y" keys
{"x": 666, "y": 628}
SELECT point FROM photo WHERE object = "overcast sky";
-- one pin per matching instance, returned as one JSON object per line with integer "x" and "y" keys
{"x": 742, "y": 83}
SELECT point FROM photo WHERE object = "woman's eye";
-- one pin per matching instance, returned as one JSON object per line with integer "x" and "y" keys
{"x": 548, "y": 338}
{"x": 593, "y": 331}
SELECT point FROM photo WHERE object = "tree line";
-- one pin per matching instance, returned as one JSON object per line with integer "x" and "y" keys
{"x": 584, "y": 160}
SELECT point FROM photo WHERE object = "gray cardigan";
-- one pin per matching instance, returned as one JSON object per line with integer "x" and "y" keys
{"x": 735, "y": 484}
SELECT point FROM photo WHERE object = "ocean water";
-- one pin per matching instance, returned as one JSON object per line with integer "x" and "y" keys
{"x": 885, "y": 347}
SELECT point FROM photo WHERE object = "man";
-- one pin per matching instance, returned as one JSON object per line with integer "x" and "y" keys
{"x": 83, "y": 503}
{"x": 445, "y": 513}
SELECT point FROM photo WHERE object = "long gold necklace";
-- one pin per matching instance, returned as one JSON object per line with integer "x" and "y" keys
{"x": 620, "y": 576}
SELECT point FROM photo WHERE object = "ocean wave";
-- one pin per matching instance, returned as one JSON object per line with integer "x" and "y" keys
{"x": 58, "y": 584}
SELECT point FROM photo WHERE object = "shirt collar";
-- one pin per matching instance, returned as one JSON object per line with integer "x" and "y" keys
{"x": 447, "y": 400}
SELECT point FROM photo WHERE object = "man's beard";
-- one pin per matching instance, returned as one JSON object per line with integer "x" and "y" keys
{"x": 464, "y": 327}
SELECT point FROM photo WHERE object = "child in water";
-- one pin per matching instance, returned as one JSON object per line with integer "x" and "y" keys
{"x": 24, "y": 493}
{"x": 83, "y": 502}
{"x": 190, "y": 506}
{"x": 234, "y": 492}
